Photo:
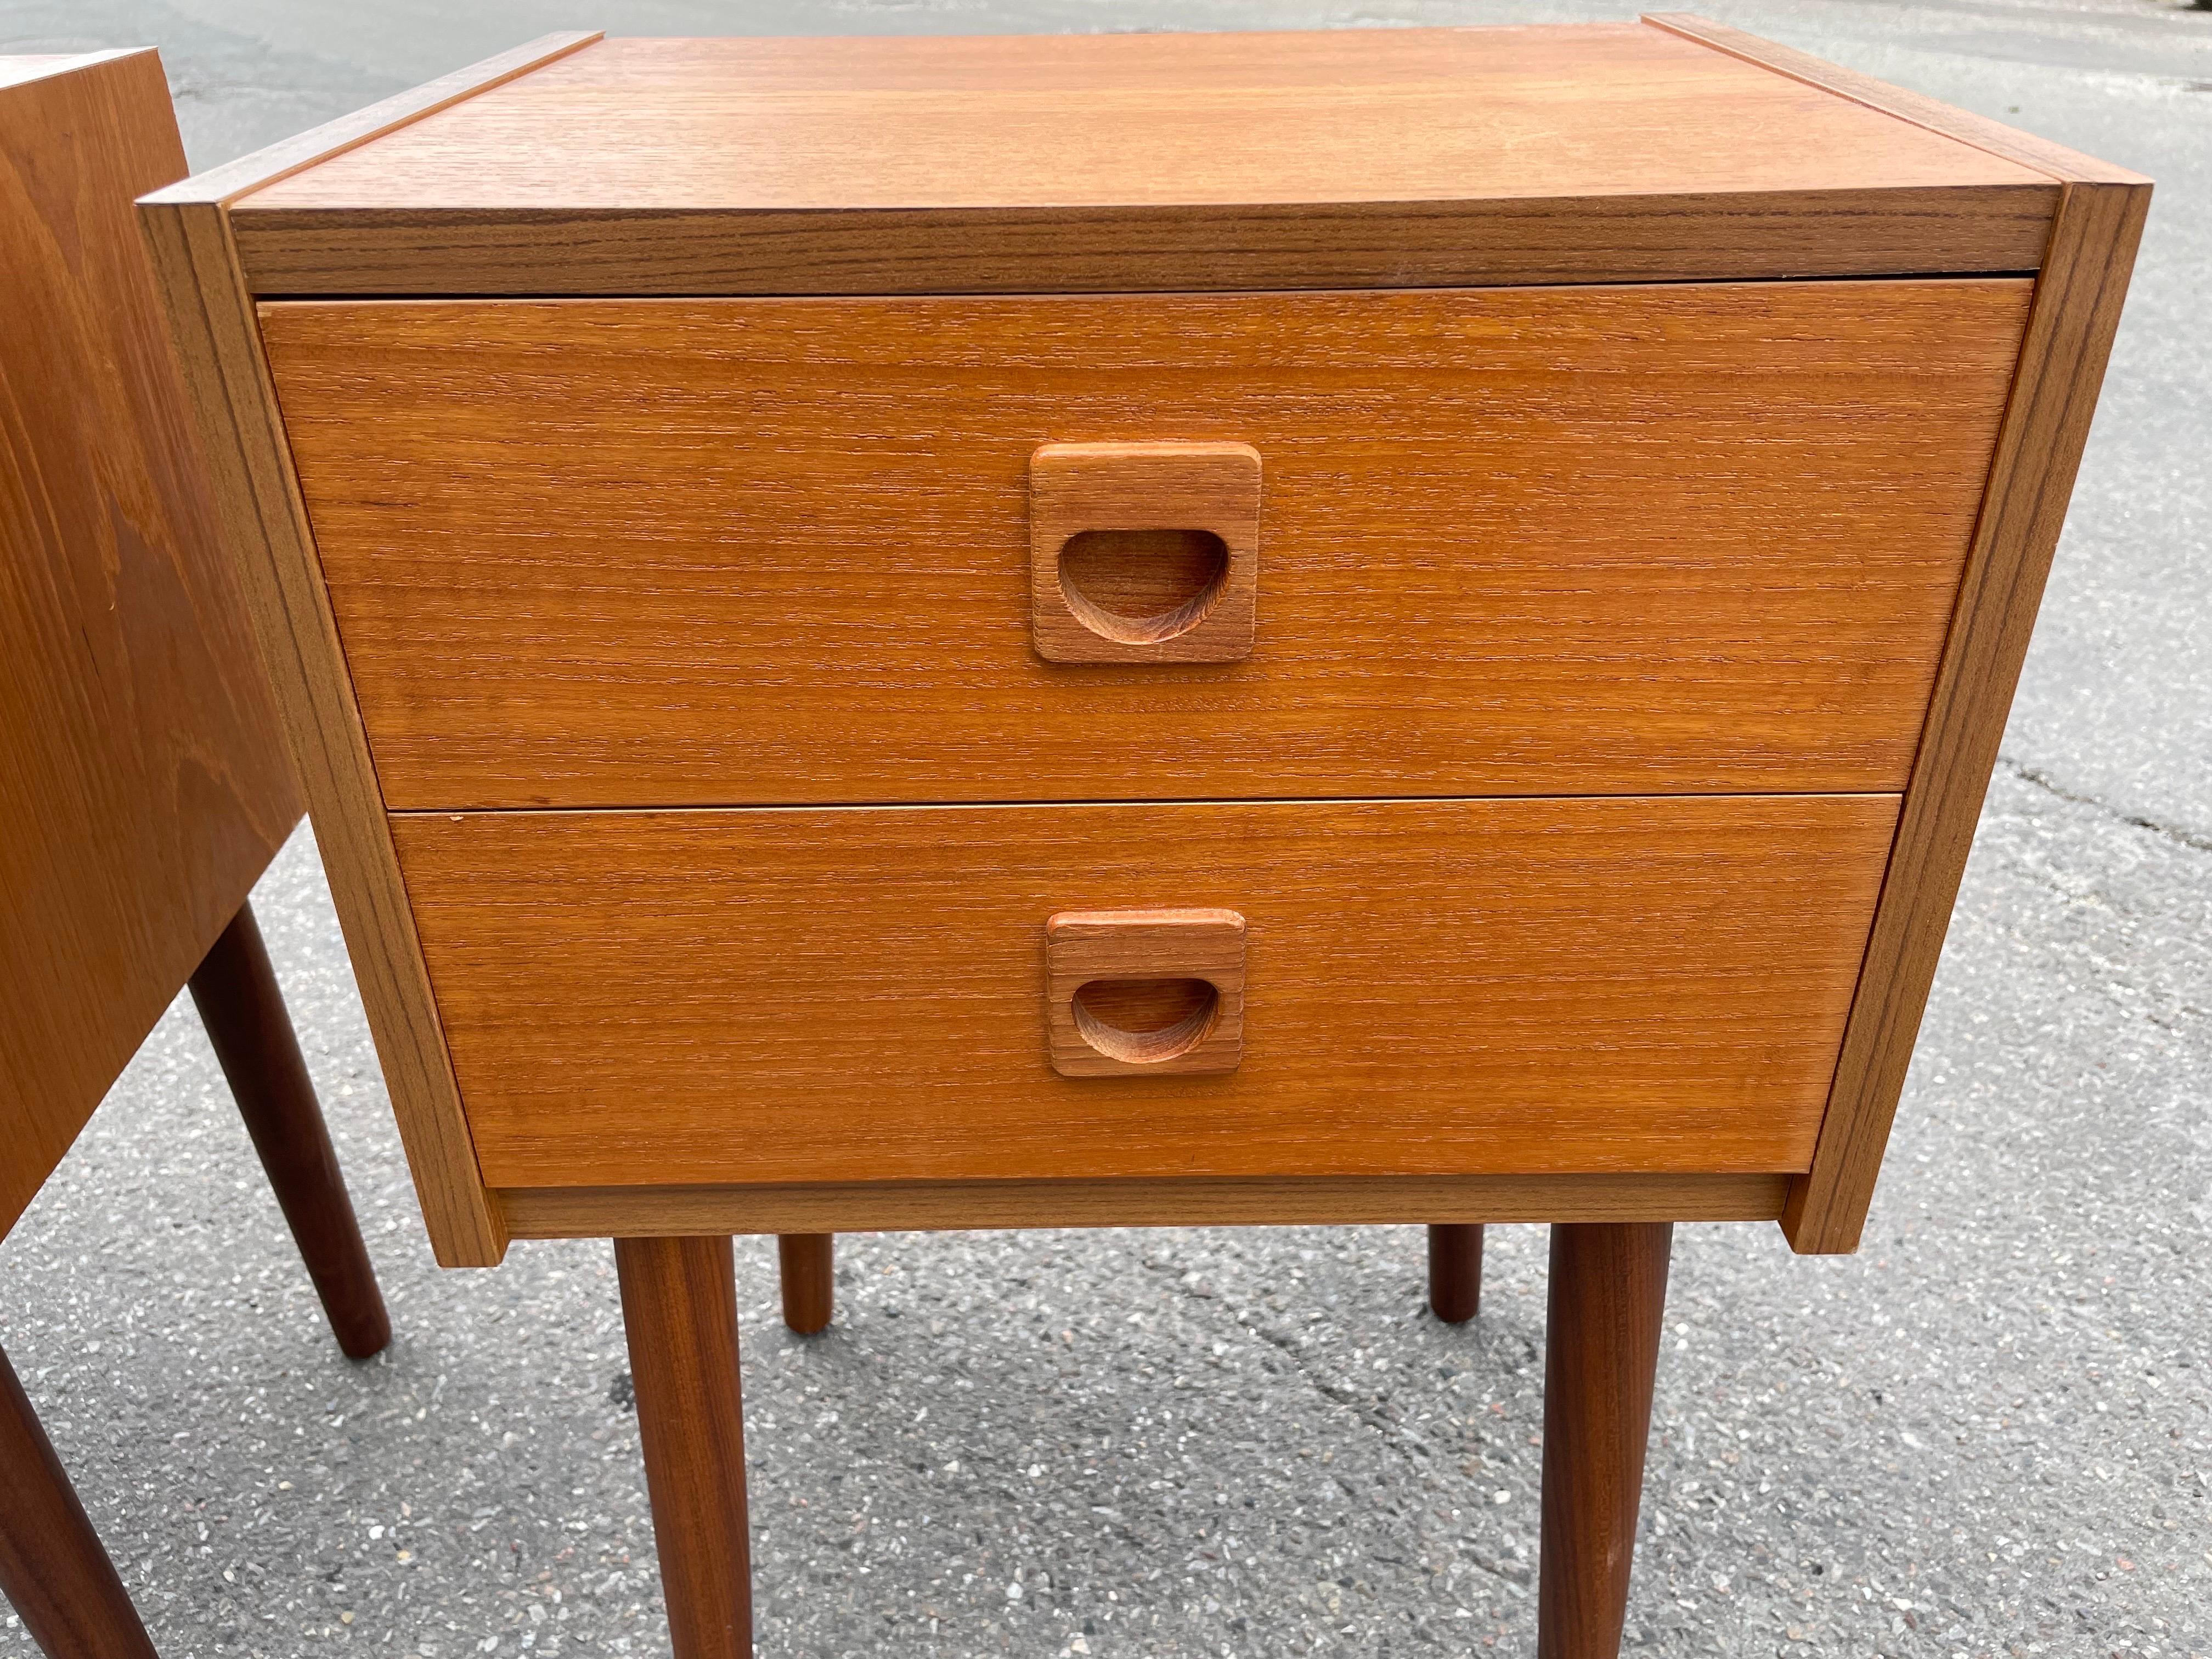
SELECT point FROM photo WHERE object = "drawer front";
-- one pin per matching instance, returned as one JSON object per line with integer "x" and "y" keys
{"x": 861, "y": 994}
{"x": 1591, "y": 540}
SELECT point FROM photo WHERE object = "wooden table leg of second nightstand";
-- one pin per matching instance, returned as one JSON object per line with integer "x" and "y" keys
{"x": 53, "y": 1566}
{"x": 806, "y": 1265}
{"x": 240, "y": 1005}
{"x": 680, "y": 1309}
{"x": 1608, "y": 1297}
{"x": 1455, "y": 1272}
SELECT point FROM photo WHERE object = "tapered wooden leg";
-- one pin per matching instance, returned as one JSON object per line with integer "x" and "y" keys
{"x": 52, "y": 1568}
{"x": 1608, "y": 1297}
{"x": 680, "y": 1306}
{"x": 805, "y": 1261}
{"x": 236, "y": 992}
{"x": 1455, "y": 1272}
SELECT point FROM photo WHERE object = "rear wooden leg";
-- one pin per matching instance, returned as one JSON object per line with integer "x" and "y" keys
{"x": 1455, "y": 1272}
{"x": 53, "y": 1569}
{"x": 679, "y": 1301}
{"x": 235, "y": 991}
{"x": 805, "y": 1261}
{"x": 1608, "y": 1295}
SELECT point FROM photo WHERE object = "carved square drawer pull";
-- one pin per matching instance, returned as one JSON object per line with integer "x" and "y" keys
{"x": 1144, "y": 552}
{"x": 1144, "y": 991}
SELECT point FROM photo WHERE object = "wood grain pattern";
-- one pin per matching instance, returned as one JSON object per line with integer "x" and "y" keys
{"x": 259, "y": 168}
{"x": 1124, "y": 162}
{"x": 1993, "y": 137}
{"x": 2077, "y": 307}
{"x": 806, "y": 1273}
{"x": 680, "y": 1314}
{"x": 1433, "y": 987}
{"x": 271, "y": 549}
{"x": 1708, "y": 236}
{"x": 1115, "y": 606}
{"x": 53, "y": 1568}
{"x": 1588, "y": 540}
{"x": 1344, "y": 1201}
{"x": 242, "y": 1008}
{"x": 1608, "y": 1302}
{"x": 144, "y": 785}
{"x": 1112, "y": 1001}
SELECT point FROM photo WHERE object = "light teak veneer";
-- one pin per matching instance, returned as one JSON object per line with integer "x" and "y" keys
{"x": 837, "y": 505}
{"x": 1462, "y": 988}
{"x": 1679, "y": 538}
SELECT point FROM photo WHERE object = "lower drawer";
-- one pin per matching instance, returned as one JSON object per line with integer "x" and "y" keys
{"x": 1430, "y": 987}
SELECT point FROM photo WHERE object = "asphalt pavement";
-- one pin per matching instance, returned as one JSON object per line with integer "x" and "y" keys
{"x": 1989, "y": 1433}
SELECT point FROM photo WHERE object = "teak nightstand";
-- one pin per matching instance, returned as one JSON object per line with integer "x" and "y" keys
{"x": 1394, "y": 626}
{"x": 143, "y": 784}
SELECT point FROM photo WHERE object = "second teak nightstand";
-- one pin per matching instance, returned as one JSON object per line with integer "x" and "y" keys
{"x": 1387, "y": 626}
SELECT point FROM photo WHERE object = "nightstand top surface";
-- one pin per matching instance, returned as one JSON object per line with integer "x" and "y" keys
{"x": 20, "y": 68}
{"x": 1371, "y": 116}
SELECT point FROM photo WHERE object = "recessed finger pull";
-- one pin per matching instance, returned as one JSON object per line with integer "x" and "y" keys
{"x": 1135, "y": 991}
{"x": 1144, "y": 552}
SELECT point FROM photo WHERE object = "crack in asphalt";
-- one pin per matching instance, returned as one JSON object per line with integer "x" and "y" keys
{"x": 2043, "y": 782}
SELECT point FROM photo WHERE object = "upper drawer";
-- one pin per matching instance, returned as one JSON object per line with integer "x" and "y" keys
{"x": 1569, "y": 541}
